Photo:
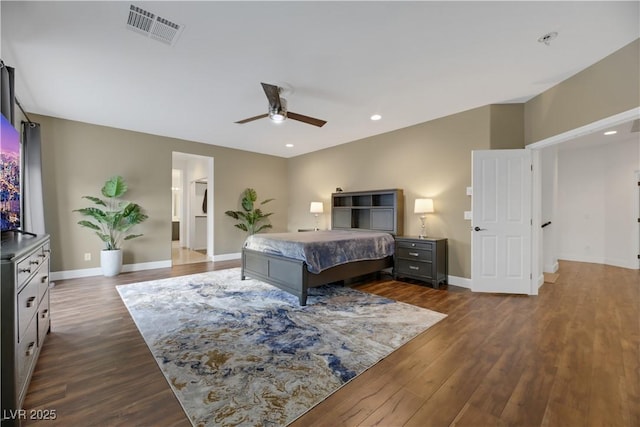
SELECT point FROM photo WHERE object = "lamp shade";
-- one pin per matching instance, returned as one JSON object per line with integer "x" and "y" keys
{"x": 316, "y": 208}
{"x": 423, "y": 206}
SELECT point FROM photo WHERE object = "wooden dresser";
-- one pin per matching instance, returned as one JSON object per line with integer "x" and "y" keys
{"x": 423, "y": 259}
{"x": 24, "y": 312}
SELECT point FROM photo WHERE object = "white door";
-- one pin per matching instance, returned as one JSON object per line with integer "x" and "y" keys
{"x": 501, "y": 221}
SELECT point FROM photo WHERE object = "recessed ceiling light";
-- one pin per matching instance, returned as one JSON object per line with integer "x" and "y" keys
{"x": 289, "y": 145}
{"x": 376, "y": 117}
{"x": 611, "y": 132}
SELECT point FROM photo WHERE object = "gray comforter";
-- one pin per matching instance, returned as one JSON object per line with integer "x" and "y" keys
{"x": 324, "y": 249}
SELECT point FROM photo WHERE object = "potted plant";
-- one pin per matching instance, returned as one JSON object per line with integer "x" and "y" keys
{"x": 250, "y": 217}
{"x": 111, "y": 219}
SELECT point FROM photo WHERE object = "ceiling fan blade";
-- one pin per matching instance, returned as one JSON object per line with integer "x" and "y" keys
{"x": 250, "y": 119}
{"x": 273, "y": 95}
{"x": 306, "y": 119}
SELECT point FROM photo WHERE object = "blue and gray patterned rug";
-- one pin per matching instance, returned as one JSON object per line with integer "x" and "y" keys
{"x": 245, "y": 353}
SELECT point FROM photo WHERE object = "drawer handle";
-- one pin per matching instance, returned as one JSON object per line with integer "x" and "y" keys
{"x": 42, "y": 255}
{"x": 25, "y": 270}
{"x": 35, "y": 262}
{"x": 47, "y": 251}
{"x": 414, "y": 254}
{"x": 413, "y": 267}
{"x": 45, "y": 313}
{"x": 31, "y": 349}
{"x": 30, "y": 302}
{"x": 44, "y": 279}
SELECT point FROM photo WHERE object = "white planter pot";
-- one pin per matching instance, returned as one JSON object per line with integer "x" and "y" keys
{"x": 111, "y": 262}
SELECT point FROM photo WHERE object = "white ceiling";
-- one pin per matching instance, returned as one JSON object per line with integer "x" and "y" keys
{"x": 408, "y": 61}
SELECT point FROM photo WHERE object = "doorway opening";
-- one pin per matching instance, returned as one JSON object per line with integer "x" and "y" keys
{"x": 584, "y": 193}
{"x": 191, "y": 209}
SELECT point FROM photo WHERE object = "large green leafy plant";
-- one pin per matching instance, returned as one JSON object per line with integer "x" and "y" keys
{"x": 113, "y": 217}
{"x": 251, "y": 218}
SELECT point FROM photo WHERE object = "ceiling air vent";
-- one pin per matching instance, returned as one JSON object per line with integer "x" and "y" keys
{"x": 144, "y": 22}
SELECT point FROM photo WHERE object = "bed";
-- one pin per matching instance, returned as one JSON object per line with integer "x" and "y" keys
{"x": 295, "y": 262}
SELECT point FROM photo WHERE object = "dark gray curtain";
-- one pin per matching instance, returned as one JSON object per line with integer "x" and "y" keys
{"x": 32, "y": 200}
{"x": 33, "y": 217}
{"x": 7, "y": 91}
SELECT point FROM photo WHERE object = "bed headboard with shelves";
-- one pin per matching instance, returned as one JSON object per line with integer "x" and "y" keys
{"x": 377, "y": 210}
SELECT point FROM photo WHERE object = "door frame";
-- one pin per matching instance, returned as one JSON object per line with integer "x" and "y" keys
{"x": 537, "y": 269}
{"x": 637, "y": 215}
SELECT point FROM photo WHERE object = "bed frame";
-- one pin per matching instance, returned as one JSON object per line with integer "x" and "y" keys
{"x": 377, "y": 210}
{"x": 291, "y": 275}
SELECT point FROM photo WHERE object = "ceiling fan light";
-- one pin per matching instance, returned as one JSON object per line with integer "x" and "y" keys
{"x": 278, "y": 116}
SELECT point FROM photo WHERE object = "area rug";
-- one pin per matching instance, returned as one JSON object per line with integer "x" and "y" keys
{"x": 242, "y": 352}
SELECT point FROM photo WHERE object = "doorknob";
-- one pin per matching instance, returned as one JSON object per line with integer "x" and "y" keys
{"x": 476, "y": 228}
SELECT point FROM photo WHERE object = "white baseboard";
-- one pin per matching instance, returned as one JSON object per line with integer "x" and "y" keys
{"x": 463, "y": 282}
{"x": 227, "y": 257}
{"x": 87, "y": 272}
{"x": 631, "y": 264}
{"x": 552, "y": 268}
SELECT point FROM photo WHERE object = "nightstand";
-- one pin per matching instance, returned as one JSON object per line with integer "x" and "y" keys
{"x": 423, "y": 259}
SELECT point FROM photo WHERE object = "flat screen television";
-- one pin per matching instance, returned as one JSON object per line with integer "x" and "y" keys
{"x": 10, "y": 176}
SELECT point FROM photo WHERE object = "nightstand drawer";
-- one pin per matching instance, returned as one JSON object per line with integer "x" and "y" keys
{"x": 415, "y": 245}
{"x": 415, "y": 268}
{"x": 414, "y": 254}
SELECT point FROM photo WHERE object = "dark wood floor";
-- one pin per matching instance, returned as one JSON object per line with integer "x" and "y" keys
{"x": 568, "y": 357}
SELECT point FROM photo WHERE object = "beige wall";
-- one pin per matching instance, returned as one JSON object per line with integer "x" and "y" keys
{"x": 507, "y": 126}
{"x": 432, "y": 159}
{"x": 606, "y": 88}
{"x": 79, "y": 157}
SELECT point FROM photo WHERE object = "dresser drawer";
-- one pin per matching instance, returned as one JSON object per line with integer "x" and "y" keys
{"x": 43, "y": 319}
{"x": 26, "y": 267}
{"x": 415, "y": 245}
{"x": 415, "y": 254}
{"x": 46, "y": 250}
{"x": 27, "y": 307}
{"x": 414, "y": 268}
{"x": 27, "y": 350}
{"x": 42, "y": 277}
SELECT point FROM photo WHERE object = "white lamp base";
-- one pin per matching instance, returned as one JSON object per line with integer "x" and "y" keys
{"x": 423, "y": 231}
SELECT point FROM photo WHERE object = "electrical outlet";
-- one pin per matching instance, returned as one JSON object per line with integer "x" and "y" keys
{"x": 87, "y": 256}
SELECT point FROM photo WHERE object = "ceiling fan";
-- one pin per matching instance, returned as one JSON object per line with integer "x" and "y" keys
{"x": 278, "y": 109}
